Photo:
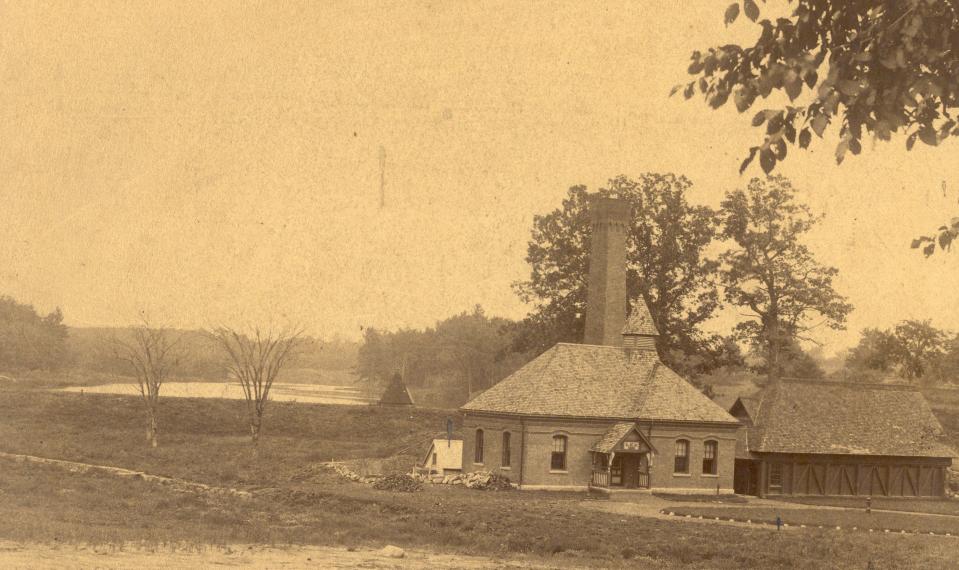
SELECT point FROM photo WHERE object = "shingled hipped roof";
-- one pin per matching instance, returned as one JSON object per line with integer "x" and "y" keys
{"x": 843, "y": 419}
{"x": 588, "y": 381}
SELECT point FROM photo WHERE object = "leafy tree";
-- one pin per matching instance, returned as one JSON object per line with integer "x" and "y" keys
{"x": 947, "y": 366}
{"x": 891, "y": 67}
{"x": 29, "y": 340}
{"x": 920, "y": 346}
{"x": 772, "y": 274}
{"x": 877, "y": 350}
{"x": 461, "y": 354}
{"x": 666, "y": 264}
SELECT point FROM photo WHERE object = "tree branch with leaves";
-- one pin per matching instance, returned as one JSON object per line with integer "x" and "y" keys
{"x": 868, "y": 68}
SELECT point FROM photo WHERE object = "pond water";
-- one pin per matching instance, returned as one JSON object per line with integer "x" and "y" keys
{"x": 308, "y": 393}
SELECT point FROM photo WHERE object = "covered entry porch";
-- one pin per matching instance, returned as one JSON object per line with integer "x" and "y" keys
{"x": 621, "y": 459}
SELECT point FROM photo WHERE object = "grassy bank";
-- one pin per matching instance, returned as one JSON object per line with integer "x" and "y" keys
{"x": 204, "y": 440}
{"x": 48, "y": 505}
{"x": 935, "y": 506}
{"x": 831, "y": 518}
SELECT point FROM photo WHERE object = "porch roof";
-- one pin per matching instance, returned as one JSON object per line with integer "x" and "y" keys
{"x": 615, "y": 435}
{"x": 612, "y": 437}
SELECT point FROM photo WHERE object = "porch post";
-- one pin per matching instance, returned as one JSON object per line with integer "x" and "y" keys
{"x": 609, "y": 470}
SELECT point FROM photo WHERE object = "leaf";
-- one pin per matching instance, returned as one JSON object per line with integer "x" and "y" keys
{"x": 927, "y": 135}
{"x": 849, "y": 87}
{"x": 759, "y": 118}
{"x": 744, "y": 98}
{"x": 929, "y": 249}
{"x": 752, "y": 155}
{"x": 855, "y": 146}
{"x": 910, "y": 141}
{"x": 805, "y": 137}
{"x": 945, "y": 240}
{"x": 793, "y": 84}
{"x": 819, "y": 123}
{"x": 751, "y": 10}
{"x": 779, "y": 148}
{"x": 841, "y": 149}
{"x": 732, "y": 12}
{"x": 690, "y": 90}
{"x": 882, "y": 130}
{"x": 719, "y": 98}
{"x": 675, "y": 89}
{"x": 811, "y": 78}
{"x": 790, "y": 133}
{"x": 766, "y": 160}
{"x": 917, "y": 242}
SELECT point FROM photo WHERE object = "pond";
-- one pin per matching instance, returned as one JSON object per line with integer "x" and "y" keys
{"x": 280, "y": 392}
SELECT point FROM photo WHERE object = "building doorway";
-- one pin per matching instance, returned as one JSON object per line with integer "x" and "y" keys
{"x": 630, "y": 470}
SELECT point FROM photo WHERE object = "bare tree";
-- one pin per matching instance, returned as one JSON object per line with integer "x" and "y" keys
{"x": 255, "y": 360}
{"x": 151, "y": 355}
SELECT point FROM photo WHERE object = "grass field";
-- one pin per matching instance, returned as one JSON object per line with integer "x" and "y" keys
{"x": 204, "y": 440}
{"x": 831, "y": 518}
{"x": 893, "y": 504}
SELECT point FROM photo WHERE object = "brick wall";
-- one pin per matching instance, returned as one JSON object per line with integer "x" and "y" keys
{"x": 581, "y": 435}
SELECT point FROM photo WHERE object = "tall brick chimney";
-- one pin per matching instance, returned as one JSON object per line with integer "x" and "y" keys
{"x": 606, "y": 296}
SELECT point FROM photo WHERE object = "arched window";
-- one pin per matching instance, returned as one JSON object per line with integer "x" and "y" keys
{"x": 507, "y": 452}
{"x": 557, "y": 461}
{"x": 478, "y": 448}
{"x": 681, "y": 463}
{"x": 710, "y": 457}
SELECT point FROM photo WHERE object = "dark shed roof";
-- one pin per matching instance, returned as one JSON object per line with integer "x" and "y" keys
{"x": 396, "y": 394}
{"x": 818, "y": 417}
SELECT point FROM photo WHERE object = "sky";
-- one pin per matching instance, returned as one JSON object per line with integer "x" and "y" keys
{"x": 220, "y": 163}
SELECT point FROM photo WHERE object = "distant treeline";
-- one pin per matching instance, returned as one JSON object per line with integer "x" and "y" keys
{"x": 460, "y": 355}
{"x": 31, "y": 341}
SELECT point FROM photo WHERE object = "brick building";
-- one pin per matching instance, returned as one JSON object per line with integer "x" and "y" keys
{"x": 832, "y": 438}
{"x": 607, "y": 413}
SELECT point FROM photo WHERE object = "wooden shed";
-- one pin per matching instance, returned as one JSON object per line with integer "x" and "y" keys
{"x": 444, "y": 457}
{"x": 839, "y": 439}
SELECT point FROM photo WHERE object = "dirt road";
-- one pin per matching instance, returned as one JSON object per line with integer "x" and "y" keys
{"x": 42, "y": 556}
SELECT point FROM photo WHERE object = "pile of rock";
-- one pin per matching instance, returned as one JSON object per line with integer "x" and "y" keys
{"x": 482, "y": 480}
{"x": 348, "y": 473}
{"x": 404, "y": 483}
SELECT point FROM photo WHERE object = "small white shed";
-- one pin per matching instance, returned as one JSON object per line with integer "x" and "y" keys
{"x": 445, "y": 457}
